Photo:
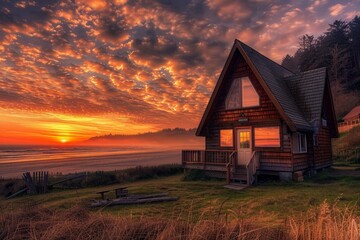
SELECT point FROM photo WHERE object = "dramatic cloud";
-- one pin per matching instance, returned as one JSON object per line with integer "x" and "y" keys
{"x": 336, "y": 9}
{"x": 142, "y": 65}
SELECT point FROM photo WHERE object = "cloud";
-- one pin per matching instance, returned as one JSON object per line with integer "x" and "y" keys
{"x": 336, "y": 9}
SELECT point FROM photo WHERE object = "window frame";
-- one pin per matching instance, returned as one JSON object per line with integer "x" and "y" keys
{"x": 240, "y": 79}
{"x": 298, "y": 147}
{"x": 316, "y": 140}
{"x": 267, "y": 147}
{"x": 232, "y": 138}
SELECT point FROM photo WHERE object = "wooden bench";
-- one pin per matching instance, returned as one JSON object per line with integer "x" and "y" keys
{"x": 119, "y": 192}
{"x": 102, "y": 193}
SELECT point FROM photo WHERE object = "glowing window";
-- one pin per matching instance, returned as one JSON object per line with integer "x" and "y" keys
{"x": 226, "y": 137}
{"x": 267, "y": 137}
{"x": 241, "y": 94}
{"x": 244, "y": 139}
{"x": 250, "y": 98}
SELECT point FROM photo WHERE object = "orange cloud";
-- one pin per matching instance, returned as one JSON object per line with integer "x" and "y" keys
{"x": 336, "y": 9}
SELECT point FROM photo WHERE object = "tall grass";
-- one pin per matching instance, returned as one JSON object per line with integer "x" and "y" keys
{"x": 80, "y": 223}
{"x": 326, "y": 222}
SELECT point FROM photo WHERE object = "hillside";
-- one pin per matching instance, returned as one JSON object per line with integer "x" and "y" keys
{"x": 338, "y": 49}
{"x": 166, "y": 137}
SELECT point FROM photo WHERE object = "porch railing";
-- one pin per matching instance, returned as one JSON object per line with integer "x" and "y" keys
{"x": 251, "y": 167}
{"x": 216, "y": 157}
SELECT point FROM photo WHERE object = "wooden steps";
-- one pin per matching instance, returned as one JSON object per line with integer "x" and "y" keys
{"x": 240, "y": 173}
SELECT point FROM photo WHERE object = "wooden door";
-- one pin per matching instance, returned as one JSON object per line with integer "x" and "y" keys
{"x": 243, "y": 145}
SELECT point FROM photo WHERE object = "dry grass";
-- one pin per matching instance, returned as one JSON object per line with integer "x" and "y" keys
{"x": 326, "y": 222}
{"x": 80, "y": 223}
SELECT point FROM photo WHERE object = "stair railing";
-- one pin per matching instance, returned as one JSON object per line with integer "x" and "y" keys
{"x": 252, "y": 167}
{"x": 228, "y": 167}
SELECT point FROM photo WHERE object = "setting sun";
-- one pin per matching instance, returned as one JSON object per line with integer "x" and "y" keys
{"x": 63, "y": 140}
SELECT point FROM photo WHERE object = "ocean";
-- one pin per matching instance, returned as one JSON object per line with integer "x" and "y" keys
{"x": 14, "y": 160}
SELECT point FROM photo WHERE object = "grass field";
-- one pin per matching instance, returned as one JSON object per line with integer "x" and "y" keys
{"x": 269, "y": 203}
{"x": 322, "y": 207}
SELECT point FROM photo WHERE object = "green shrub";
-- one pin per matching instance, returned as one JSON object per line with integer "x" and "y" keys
{"x": 195, "y": 175}
{"x": 100, "y": 178}
{"x": 10, "y": 186}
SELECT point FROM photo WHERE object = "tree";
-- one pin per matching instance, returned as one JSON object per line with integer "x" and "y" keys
{"x": 290, "y": 63}
{"x": 338, "y": 49}
{"x": 354, "y": 34}
{"x": 337, "y": 34}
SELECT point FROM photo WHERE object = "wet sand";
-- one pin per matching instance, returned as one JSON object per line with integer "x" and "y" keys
{"x": 91, "y": 163}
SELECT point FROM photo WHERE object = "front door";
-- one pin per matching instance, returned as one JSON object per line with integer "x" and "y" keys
{"x": 243, "y": 145}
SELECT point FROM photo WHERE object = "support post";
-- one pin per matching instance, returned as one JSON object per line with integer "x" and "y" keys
{"x": 228, "y": 173}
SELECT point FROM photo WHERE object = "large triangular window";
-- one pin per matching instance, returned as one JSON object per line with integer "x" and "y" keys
{"x": 242, "y": 94}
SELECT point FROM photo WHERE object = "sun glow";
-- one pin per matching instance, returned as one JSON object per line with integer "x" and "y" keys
{"x": 23, "y": 127}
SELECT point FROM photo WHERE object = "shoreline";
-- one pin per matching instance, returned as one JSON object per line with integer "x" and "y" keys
{"x": 104, "y": 162}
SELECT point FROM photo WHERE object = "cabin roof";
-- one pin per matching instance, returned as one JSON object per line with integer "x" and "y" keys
{"x": 355, "y": 112}
{"x": 308, "y": 91}
{"x": 297, "y": 97}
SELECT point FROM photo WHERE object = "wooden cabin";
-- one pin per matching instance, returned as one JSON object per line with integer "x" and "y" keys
{"x": 264, "y": 119}
{"x": 351, "y": 120}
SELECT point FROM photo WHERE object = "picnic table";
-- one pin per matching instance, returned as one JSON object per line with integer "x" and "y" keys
{"x": 119, "y": 192}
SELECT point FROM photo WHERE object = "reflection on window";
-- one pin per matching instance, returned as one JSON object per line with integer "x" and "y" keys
{"x": 241, "y": 94}
{"x": 226, "y": 137}
{"x": 250, "y": 97}
{"x": 299, "y": 143}
{"x": 267, "y": 137}
{"x": 244, "y": 139}
{"x": 234, "y": 95}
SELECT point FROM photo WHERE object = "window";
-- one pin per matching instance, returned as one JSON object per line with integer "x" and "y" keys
{"x": 324, "y": 122}
{"x": 267, "y": 137}
{"x": 244, "y": 139}
{"x": 226, "y": 137}
{"x": 299, "y": 143}
{"x": 250, "y": 98}
{"x": 242, "y": 94}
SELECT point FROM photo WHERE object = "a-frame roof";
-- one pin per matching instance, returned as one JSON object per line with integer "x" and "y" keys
{"x": 292, "y": 94}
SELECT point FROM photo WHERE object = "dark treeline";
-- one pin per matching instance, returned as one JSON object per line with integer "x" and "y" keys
{"x": 338, "y": 49}
{"x": 163, "y": 132}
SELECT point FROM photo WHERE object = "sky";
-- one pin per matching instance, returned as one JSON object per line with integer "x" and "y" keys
{"x": 70, "y": 70}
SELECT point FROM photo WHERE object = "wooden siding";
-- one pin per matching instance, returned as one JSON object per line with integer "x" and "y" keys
{"x": 275, "y": 161}
{"x": 323, "y": 152}
{"x": 300, "y": 161}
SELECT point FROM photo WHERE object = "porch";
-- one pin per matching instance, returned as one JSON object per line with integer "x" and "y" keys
{"x": 224, "y": 163}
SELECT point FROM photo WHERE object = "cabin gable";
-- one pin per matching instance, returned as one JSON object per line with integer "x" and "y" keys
{"x": 265, "y": 114}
